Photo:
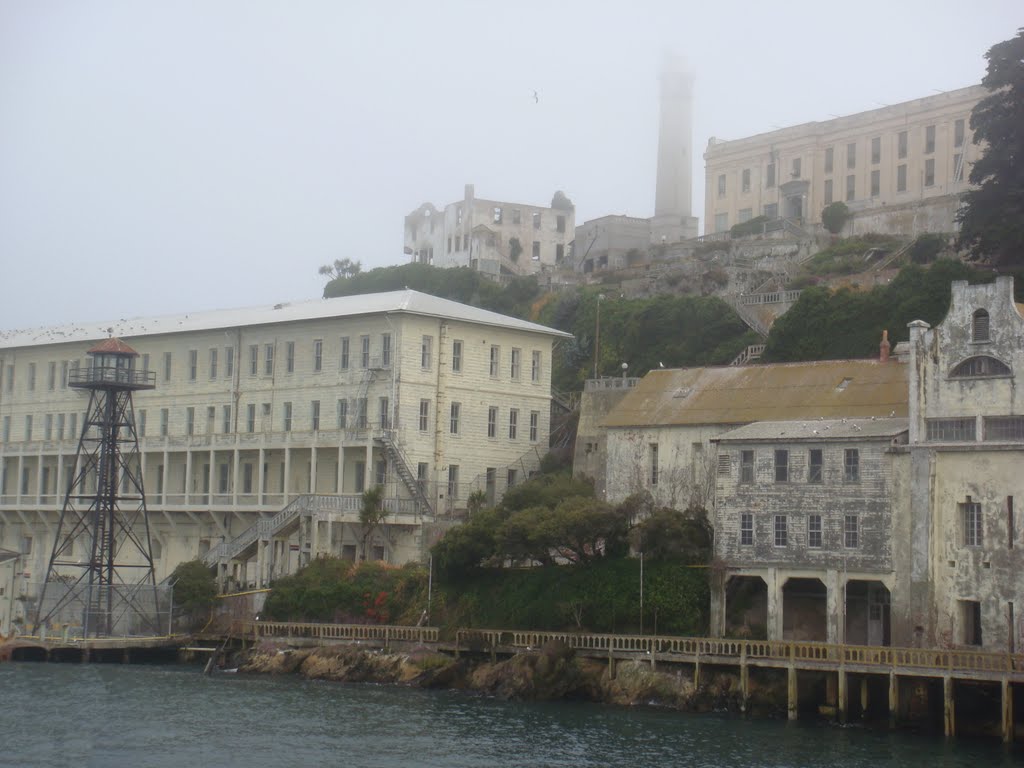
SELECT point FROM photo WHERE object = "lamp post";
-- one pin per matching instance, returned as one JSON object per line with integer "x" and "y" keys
{"x": 597, "y": 333}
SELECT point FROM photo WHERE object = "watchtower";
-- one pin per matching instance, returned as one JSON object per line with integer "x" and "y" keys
{"x": 101, "y": 569}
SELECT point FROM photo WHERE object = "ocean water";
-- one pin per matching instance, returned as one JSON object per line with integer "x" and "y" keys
{"x": 172, "y": 716}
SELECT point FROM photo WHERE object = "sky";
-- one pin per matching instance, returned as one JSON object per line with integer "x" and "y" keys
{"x": 166, "y": 157}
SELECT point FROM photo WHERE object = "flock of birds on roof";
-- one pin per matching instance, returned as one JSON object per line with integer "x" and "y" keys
{"x": 845, "y": 421}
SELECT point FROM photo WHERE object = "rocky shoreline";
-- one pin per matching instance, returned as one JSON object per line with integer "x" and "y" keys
{"x": 551, "y": 673}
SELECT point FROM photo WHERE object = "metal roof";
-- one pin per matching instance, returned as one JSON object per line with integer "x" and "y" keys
{"x": 815, "y": 430}
{"x": 391, "y": 302}
{"x": 772, "y": 392}
{"x": 113, "y": 346}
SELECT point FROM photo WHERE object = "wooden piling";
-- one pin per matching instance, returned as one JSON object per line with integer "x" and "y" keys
{"x": 791, "y": 690}
{"x": 864, "y": 698}
{"x": 1006, "y": 691}
{"x": 841, "y": 696}
{"x": 948, "y": 709}
{"x": 894, "y": 699}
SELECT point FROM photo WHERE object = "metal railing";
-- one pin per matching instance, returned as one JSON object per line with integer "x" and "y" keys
{"x": 610, "y": 382}
{"x": 385, "y": 633}
{"x": 109, "y": 374}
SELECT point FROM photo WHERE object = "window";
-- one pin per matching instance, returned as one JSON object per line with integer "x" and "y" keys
{"x": 958, "y": 168}
{"x": 28, "y": 427}
{"x": 247, "y": 477}
{"x": 342, "y": 412}
{"x": 513, "y": 423}
{"x": 453, "y": 481}
{"x": 746, "y": 466}
{"x": 51, "y": 377}
{"x": 511, "y": 477}
{"x": 61, "y": 417}
{"x": 901, "y": 178}
{"x": 449, "y": 244}
{"x": 982, "y": 365}
{"x": 31, "y": 376}
{"x": 745, "y": 180}
{"x": 876, "y": 183}
{"x": 796, "y": 168}
{"x": 48, "y": 427}
{"x": 360, "y": 476}
{"x": 421, "y": 475}
{"x": 535, "y": 366}
{"x": 814, "y": 531}
{"x": 929, "y": 172}
{"x": 721, "y": 185}
{"x": 724, "y": 465}
{"x": 951, "y": 430}
{"x": 721, "y": 222}
{"x": 73, "y": 425}
{"x": 814, "y": 465}
{"x": 211, "y": 417}
{"x": 10, "y": 376}
{"x": 229, "y": 361}
{"x": 517, "y": 216}
{"x": 1004, "y": 428}
{"x": 535, "y": 254}
{"x": 559, "y": 253}
{"x": 496, "y": 215}
{"x": 851, "y": 465}
{"x": 165, "y": 417}
{"x": 851, "y": 155}
{"x": 318, "y": 355}
{"x": 514, "y": 364}
{"x": 385, "y": 413}
{"x": 424, "y": 421}
{"x": 385, "y": 350}
{"x": 426, "y": 348}
{"x": 254, "y": 359}
{"x": 901, "y": 144}
{"x": 343, "y": 357}
{"x": 536, "y": 220}
{"x": 268, "y": 359}
{"x": 314, "y": 415}
{"x": 495, "y": 359}
{"x": 958, "y": 133}
{"x": 980, "y": 325}
{"x": 829, "y": 159}
{"x": 250, "y": 417}
{"x": 769, "y": 176}
{"x": 970, "y": 621}
{"x": 381, "y": 478}
{"x": 7, "y": 429}
{"x": 456, "y": 356}
{"x": 851, "y": 531}
{"x": 364, "y": 351}
{"x": 492, "y": 421}
{"x": 929, "y": 139}
{"x": 453, "y": 421}
{"x": 851, "y": 187}
{"x": 361, "y": 415}
{"x": 828, "y": 191}
{"x": 781, "y": 530}
{"x": 534, "y": 425}
{"x": 458, "y": 215}
{"x": 193, "y": 364}
{"x": 876, "y": 150}
{"x": 225, "y": 413}
{"x": 970, "y": 515}
{"x": 746, "y": 529}
{"x": 287, "y": 420}
{"x": 223, "y": 478}
{"x": 652, "y": 451}
{"x": 771, "y": 210}
{"x": 781, "y": 466}
{"x": 190, "y": 421}
{"x": 560, "y": 223}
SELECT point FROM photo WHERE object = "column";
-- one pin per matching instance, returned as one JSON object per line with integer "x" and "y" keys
{"x": 166, "y": 477}
{"x": 235, "y": 464}
{"x": 1006, "y": 691}
{"x": 188, "y": 474}
{"x": 259, "y": 477}
{"x": 792, "y": 692}
{"x": 287, "y": 475}
{"x": 948, "y": 709}
{"x": 774, "y": 604}
{"x": 835, "y": 607}
{"x": 312, "y": 469}
{"x": 894, "y": 699}
{"x": 841, "y": 696}
{"x": 368, "y": 470}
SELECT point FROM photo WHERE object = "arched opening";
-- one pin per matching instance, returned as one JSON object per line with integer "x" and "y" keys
{"x": 867, "y": 613}
{"x": 746, "y": 608}
{"x": 804, "y": 610}
{"x": 979, "y": 326}
{"x": 982, "y": 365}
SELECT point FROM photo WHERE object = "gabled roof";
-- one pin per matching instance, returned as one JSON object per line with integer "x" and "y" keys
{"x": 816, "y": 430}
{"x": 113, "y": 346}
{"x": 391, "y": 302}
{"x": 776, "y": 392}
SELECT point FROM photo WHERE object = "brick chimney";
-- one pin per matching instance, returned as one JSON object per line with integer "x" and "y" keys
{"x": 883, "y": 348}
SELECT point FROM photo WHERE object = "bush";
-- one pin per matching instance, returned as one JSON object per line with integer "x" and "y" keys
{"x": 194, "y": 587}
{"x": 753, "y": 226}
{"x": 926, "y": 248}
{"x": 835, "y": 216}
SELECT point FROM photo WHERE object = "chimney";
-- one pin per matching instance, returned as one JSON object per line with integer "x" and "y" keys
{"x": 883, "y": 348}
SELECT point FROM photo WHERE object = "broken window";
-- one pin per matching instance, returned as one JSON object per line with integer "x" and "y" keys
{"x": 517, "y": 216}
{"x": 950, "y": 430}
{"x": 746, "y": 466}
{"x": 781, "y": 466}
{"x": 536, "y": 250}
{"x": 536, "y": 220}
{"x": 929, "y": 172}
{"x": 851, "y": 531}
{"x": 497, "y": 214}
{"x": 958, "y": 133}
{"x": 560, "y": 223}
{"x": 982, "y": 365}
{"x": 814, "y": 466}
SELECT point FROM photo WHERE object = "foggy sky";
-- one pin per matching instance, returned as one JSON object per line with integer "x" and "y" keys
{"x": 166, "y": 157}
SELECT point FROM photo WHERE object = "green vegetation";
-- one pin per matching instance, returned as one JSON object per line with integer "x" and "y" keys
{"x": 846, "y": 256}
{"x": 752, "y": 226}
{"x": 194, "y": 589}
{"x": 834, "y": 216}
{"x": 992, "y": 219}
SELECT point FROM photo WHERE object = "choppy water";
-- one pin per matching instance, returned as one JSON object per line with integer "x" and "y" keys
{"x": 171, "y": 716}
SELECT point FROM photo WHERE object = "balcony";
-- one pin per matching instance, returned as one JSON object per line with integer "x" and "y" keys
{"x": 111, "y": 377}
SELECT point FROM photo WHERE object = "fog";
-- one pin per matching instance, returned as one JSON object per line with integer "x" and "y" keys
{"x": 168, "y": 157}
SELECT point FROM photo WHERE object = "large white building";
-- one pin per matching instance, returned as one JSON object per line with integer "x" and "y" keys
{"x": 266, "y": 425}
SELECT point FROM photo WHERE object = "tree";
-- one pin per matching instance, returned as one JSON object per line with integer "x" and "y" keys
{"x": 194, "y": 588}
{"x": 371, "y": 514}
{"x": 341, "y": 269}
{"x": 670, "y": 534}
{"x": 992, "y": 216}
{"x": 561, "y": 202}
{"x": 835, "y": 216}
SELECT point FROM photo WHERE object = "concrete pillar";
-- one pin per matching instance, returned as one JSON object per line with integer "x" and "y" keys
{"x": 717, "y": 622}
{"x": 287, "y": 476}
{"x": 894, "y": 699}
{"x": 235, "y": 466}
{"x": 864, "y": 697}
{"x": 696, "y": 673}
{"x": 948, "y": 708}
{"x": 261, "y": 460}
{"x": 368, "y": 468}
{"x": 188, "y": 474}
{"x": 341, "y": 469}
{"x": 835, "y": 608}
{"x": 774, "y": 604}
{"x": 841, "y": 695}
{"x": 312, "y": 469}
{"x": 792, "y": 693}
{"x": 744, "y": 680}
{"x": 1006, "y": 691}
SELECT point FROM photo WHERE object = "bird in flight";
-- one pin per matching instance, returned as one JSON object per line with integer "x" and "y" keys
{"x": 536, "y": 98}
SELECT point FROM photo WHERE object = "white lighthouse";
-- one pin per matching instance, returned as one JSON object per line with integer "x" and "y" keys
{"x": 673, "y": 219}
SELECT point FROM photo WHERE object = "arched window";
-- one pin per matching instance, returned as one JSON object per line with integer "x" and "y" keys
{"x": 979, "y": 326}
{"x": 982, "y": 365}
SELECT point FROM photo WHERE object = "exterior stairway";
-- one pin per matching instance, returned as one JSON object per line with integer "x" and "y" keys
{"x": 283, "y": 522}
{"x": 401, "y": 466}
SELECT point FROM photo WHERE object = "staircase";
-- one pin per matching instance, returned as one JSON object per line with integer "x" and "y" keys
{"x": 412, "y": 484}
{"x": 283, "y": 521}
{"x": 748, "y": 355}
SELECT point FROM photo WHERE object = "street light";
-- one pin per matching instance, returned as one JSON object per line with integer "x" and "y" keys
{"x": 597, "y": 333}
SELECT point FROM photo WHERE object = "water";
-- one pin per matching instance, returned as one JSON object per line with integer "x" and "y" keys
{"x": 171, "y": 716}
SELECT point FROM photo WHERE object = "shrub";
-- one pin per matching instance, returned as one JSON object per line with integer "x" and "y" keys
{"x": 835, "y": 216}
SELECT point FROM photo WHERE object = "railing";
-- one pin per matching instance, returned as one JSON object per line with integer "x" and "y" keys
{"x": 752, "y": 352}
{"x": 352, "y": 632}
{"x": 949, "y": 660}
{"x": 610, "y": 382}
{"x": 774, "y": 297}
{"x": 109, "y": 374}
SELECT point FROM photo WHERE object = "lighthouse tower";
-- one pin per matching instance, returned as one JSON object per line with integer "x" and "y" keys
{"x": 100, "y": 574}
{"x": 673, "y": 216}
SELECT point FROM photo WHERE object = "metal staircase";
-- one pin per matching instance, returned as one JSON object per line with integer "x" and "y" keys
{"x": 284, "y": 521}
{"x": 397, "y": 458}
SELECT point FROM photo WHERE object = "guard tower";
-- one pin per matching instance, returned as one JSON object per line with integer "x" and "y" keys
{"x": 101, "y": 569}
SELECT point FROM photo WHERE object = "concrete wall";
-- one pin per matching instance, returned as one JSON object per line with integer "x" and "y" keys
{"x": 590, "y": 457}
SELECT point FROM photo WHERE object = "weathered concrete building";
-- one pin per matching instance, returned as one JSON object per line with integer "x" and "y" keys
{"x": 967, "y": 450}
{"x": 269, "y": 423}
{"x": 497, "y": 238}
{"x": 897, "y": 167}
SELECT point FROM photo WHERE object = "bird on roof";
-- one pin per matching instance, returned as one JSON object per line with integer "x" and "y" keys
{"x": 892, "y": 413}
{"x": 661, "y": 365}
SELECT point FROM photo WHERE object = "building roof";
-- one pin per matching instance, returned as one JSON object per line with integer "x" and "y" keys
{"x": 816, "y": 430}
{"x": 780, "y": 392}
{"x": 113, "y": 346}
{"x": 392, "y": 302}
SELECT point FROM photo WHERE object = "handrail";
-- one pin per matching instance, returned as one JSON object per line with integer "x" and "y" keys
{"x": 355, "y": 632}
